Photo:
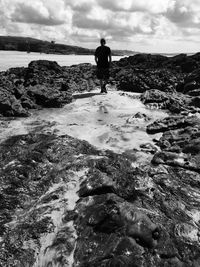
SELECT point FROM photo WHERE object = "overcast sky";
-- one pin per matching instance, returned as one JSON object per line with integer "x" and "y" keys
{"x": 139, "y": 25}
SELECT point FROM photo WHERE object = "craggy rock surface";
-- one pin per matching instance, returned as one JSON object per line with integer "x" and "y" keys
{"x": 124, "y": 216}
{"x": 43, "y": 84}
{"x": 180, "y": 143}
{"x": 64, "y": 202}
{"x": 37, "y": 173}
{"x": 142, "y": 72}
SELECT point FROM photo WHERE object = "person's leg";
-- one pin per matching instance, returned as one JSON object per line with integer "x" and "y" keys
{"x": 101, "y": 85}
{"x": 105, "y": 78}
{"x": 100, "y": 77}
{"x": 105, "y": 81}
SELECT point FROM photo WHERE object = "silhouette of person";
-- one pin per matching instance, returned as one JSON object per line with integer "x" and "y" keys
{"x": 103, "y": 60}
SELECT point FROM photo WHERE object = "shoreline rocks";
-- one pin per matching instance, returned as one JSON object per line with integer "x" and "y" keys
{"x": 63, "y": 199}
{"x": 42, "y": 81}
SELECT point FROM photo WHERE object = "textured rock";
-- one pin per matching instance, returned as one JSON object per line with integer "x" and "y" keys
{"x": 171, "y": 123}
{"x": 124, "y": 216}
{"x": 41, "y": 84}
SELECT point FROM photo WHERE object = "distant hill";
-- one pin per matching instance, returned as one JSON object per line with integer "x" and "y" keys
{"x": 35, "y": 45}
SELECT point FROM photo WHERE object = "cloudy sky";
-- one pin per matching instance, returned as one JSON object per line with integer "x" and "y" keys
{"x": 139, "y": 25}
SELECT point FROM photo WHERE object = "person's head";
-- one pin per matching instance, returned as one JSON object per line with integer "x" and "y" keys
{"x": 102, "y": 41}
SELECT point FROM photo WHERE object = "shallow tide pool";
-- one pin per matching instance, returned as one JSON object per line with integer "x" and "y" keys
{"x": 104, "y": 120}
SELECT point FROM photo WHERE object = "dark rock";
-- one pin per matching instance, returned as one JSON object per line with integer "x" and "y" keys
{"x": 171, "y": 123}
{"x": 174, "y": 102}
{"x": 48, "y": 96}
{"x": 10, "y": 106}
{"x": 154, "y": 96}
{"x": 195, "y": 102}
{"x": 44, "y": 65}
{"x": 41, "y": 84}
{"x": 195, "y": 92}
{"x": 190, "y": 86}
{"x": 138, "y": 117}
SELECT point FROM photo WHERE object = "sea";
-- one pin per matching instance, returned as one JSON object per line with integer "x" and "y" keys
{"x": 12, "y": 59}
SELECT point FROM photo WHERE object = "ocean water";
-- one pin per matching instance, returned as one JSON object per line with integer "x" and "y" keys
{"x": 11, "y": 59}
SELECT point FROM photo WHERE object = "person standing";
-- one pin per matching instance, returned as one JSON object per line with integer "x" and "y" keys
{"x": 103, "y": 60}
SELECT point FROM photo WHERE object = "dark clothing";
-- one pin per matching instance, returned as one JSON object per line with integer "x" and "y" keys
{"x": 102, "y": 53}
{"x": 103, "y": 73}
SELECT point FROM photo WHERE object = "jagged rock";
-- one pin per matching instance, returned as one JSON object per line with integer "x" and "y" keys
{"x": 44, "y": 65}
{"x": 138, "y": 117}
{"x": 171, "y": 123}
{"x": 41, "y": 84}
{"x": 140, "y": 80}
{"x": 10, "y": 106}
{"x": 48, "y": 96}
{"x": 174, "y": 102}
{"x": 154, "y": 96}
{"x": 148, "y": 147}
{"x": 195, "y": 92}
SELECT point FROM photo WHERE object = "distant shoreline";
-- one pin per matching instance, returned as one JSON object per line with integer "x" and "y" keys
{"x": 27, "y": 44}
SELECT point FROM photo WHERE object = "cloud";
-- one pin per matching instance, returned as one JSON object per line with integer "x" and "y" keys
{"x": 35, "y": 12}
{"x": 80, "y": 5}
{"x": 144, "y": 25}
{"x": 110, "y": 24}
{"x": 185, "y": 13}
{"x": 152, "y": 6}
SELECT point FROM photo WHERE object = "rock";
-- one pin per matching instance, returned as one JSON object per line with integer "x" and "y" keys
{"x": 141, "y": 80}
{"x": 195, "y": 92}
{"x": 154, "y": 96}
{"x": 190, "y": 86}
{"x": 171, "y": 123}
{"x": 10, "y": 106}
{"x": 48, "y": 96}
{"x": 173, "y": 101}
{"x": 44, "y": 65}
{"x": 195, "y": 102}
{"x": 138, "y": 117}
{"x": 148, "y": 147}
{"x": 123, "y": 215}
{"x": 42, "y": 84}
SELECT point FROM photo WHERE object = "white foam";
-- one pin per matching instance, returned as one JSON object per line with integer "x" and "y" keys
{"x": 100, "y": 119}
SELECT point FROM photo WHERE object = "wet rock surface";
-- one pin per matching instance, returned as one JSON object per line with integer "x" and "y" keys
{"x": 122, "y": 216}
{"x": 66, "y": 203}
{"x": 39, "y": 176}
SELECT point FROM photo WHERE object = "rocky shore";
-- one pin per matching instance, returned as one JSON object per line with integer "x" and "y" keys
{"x": 67, "y": 203}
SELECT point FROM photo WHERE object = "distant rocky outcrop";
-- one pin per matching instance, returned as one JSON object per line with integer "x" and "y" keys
{"x": 29, "y": 45}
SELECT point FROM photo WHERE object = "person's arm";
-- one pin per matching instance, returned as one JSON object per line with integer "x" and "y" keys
{"x": 110, "y": 58}
{"x": 96, "y": 59}
{"x": 95, "y": 55}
